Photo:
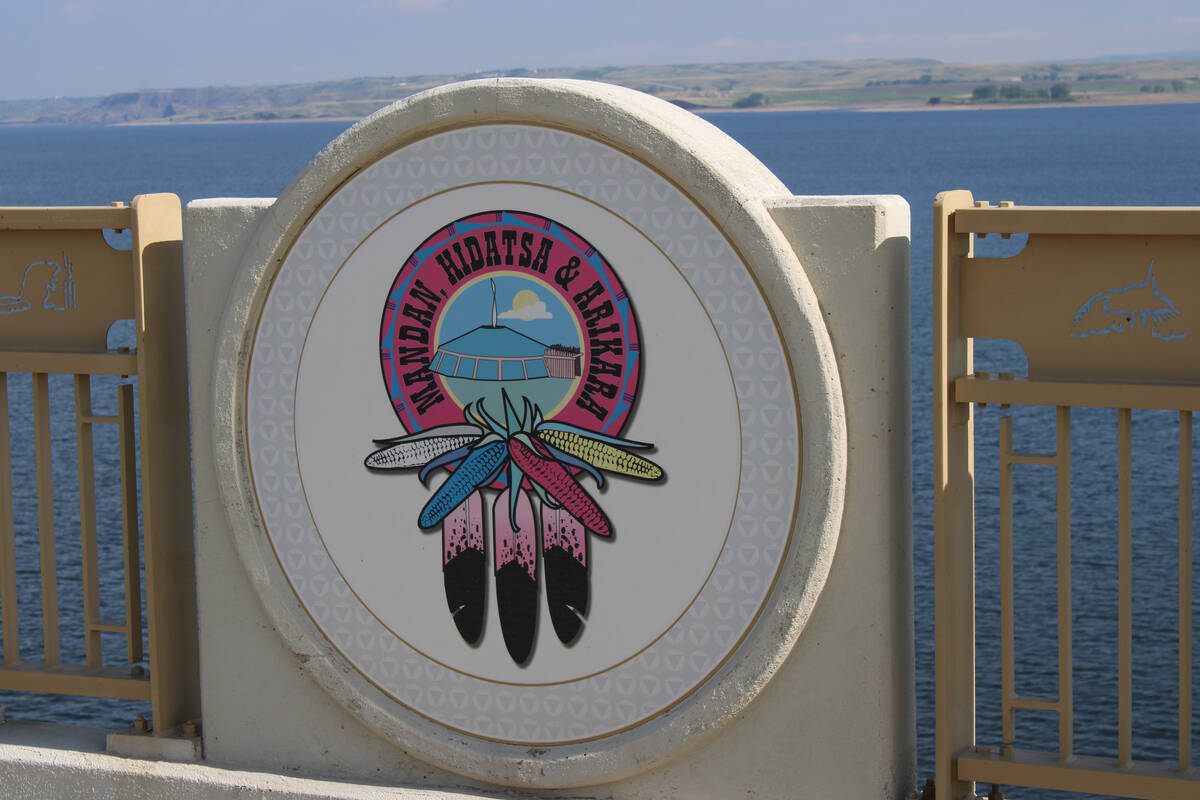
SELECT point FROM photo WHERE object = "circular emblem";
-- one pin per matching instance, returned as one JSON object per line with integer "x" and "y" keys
{"x": 505, "y": 482}
{"x": 570, "y": 513}
{"x": 492, "y": 506}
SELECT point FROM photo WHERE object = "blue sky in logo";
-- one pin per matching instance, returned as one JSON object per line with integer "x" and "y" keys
{"x": 545, "y": 318}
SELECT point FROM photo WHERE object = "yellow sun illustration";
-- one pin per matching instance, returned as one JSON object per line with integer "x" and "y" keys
{"x": 523, "y": 298}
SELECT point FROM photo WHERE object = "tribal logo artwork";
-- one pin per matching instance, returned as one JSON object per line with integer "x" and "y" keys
{"x": 511, "y": 356}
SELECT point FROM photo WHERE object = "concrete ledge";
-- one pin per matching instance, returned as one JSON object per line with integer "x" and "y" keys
{"x": 40, "y": 760}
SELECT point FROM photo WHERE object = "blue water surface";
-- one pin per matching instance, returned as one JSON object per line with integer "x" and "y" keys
{"x": 1076, "y": 156}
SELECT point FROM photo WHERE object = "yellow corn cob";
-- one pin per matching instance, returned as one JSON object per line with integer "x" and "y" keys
{"x": 601, "y": 455}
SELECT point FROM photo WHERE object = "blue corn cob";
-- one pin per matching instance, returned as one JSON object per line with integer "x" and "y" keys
{"x": 476, "y": 470}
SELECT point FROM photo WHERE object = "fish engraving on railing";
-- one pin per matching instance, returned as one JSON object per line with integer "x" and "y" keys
{"x": 54, "y": 281}
{"x": 1140, "y": 306}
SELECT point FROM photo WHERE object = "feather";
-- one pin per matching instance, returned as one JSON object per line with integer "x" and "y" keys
{"x": 463, "y": 568}
{"x": 515, "y": 548}
{"x": 564, "y": 559}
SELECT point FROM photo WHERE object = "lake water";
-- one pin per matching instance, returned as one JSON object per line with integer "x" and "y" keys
{"x": 1084, "y": 156}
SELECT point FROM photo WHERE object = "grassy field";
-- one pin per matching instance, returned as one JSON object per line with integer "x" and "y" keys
{"x": 864, "y": 84}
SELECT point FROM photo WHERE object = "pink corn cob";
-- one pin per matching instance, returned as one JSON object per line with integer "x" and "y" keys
{"x": 559, "y": 483}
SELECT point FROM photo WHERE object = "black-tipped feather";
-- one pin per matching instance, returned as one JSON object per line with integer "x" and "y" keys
{"x": 514, "y": 539}
{"x": 564, "y": 561}
{"x": 516, "y": 599}
{"x": 464, "y": 567}
{"x": 466, "y": 593}
{"x": 566, "y": 592}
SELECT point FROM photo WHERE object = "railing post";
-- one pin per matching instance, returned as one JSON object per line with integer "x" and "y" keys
{"x": 1125, "y": 586}
{"x": 129, "y": 523}
{"x": 954, "y": 512}
{"x": 89, "y": 547}
{"x": 1066, "y": 658}
{"x": 45, "y": 494}
{"x": 166, "y": 484}
{"x": 1008, "y": 669}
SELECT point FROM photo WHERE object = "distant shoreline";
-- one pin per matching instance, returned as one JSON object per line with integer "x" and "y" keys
{"x": 1192, "y": 98}
{"x": 163, "y": 123}
{"x": 864, "y": 85}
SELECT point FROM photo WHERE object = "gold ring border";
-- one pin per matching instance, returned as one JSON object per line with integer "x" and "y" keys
{"x": 349, "y": 586}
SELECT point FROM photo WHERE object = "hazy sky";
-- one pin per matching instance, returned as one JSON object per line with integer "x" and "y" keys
{"x": 94, "y": 47}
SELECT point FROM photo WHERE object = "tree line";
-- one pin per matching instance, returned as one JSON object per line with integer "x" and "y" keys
{"x": 990, "y": 92}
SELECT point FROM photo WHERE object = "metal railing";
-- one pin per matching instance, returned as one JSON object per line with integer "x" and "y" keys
{"x": 1089, "y": 301}
{"x": 70, "y": 288}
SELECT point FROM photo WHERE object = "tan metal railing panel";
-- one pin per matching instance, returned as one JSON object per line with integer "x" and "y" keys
{"x": 1090, "y": 299}
{"x": 67, "y": 287}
